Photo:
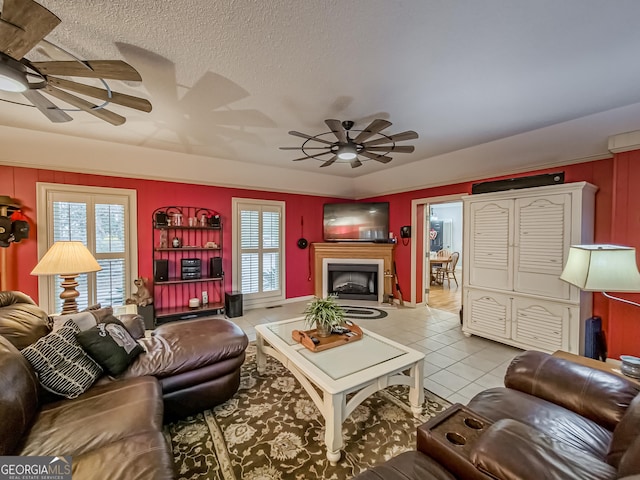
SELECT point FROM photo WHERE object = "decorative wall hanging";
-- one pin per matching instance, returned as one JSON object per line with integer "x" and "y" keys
{"x": 14, "y": 226}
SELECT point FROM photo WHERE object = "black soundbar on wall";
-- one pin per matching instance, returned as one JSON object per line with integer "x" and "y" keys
{"x": 518, "y": 182}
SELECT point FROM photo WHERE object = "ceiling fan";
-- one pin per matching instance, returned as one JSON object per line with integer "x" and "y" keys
{"x": 23, "y": 25}
{"x": 352, "y": 150}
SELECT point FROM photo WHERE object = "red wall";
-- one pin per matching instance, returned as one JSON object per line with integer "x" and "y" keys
{"x": 20, "y": 183}
{"x": 623, "y": 336}
{"x": 617, "y": 220}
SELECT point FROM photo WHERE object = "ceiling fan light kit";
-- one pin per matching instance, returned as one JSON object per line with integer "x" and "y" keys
{"x": 347, "y": 152}
{"x": 368, "y": 144}
{"x": 23, "y": 25}
{"x": 12, "y": 75}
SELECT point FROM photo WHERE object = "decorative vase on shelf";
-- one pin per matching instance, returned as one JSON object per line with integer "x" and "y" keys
{"x": 324, "y": 314}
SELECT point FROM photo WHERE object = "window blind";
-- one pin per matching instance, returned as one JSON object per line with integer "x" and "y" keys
{"x": 260, "y": 245}
{"x": 100, "y": 222}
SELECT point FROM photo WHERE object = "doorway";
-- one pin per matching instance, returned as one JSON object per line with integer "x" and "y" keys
{"x": 446, "y": 214}
{"x": 443, "y": 280}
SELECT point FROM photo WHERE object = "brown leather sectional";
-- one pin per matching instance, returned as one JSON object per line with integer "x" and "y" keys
{"x": 114, "y": 430}
{"x": 553, "y": 419}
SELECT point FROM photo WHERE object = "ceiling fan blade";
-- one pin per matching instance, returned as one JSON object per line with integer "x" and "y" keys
{"x": 301, "y": 148}
{"x": 355, "y": 163}
{"x": 102, "y": 94}
{"x": 374, "y": 127}
{"x": 329, "y": 162}
{"x": 101, "y": 113}
{"x": 49, "y": 110}
{"x": 378, "y": 158}
{"x": 108, "y": 69}
{"x": 392, "y": 148}
{"x": 309, "y": 156}
{"x": 23, "y": 23}
{"x": 398, "y": 137}
{"x": 309, "y": 137}
{"x": 338, "y": 130}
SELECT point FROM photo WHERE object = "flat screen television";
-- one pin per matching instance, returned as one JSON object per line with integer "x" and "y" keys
{"x": 356, "y": 222}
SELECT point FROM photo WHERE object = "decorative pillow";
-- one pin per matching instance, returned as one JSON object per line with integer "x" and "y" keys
{"x": 134, "y": 324}
{"x": 62, "y": 365}
{"x": 84, "y": 320}
{"x": 87, "y": 319}
{"x": 111, "y": 345}
{"x": 95, "y": 306}
{"x": 100, "y": 313}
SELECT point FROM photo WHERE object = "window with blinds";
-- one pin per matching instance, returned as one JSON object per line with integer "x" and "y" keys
{"x": 258, "y": 249}
{"x": 103, "y": 219}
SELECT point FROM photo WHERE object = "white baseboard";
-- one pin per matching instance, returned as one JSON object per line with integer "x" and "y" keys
{"x": 275, "y": 303}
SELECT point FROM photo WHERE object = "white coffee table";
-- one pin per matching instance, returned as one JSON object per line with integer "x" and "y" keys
{"x": 365, "y": 366}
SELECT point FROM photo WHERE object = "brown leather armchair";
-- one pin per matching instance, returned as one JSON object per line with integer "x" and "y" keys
{"x": 553, "y": 419}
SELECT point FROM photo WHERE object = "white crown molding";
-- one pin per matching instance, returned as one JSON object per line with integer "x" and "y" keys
{"x": 34, "y": 149}
{"x": 575, "y": 141}
{"x": 624, "y": 142}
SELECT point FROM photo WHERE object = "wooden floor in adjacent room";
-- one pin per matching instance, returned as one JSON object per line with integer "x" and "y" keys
{"x": 446, "y": 298}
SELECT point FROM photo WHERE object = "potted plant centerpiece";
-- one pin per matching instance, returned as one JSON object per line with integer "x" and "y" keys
{"x": 325, "y": 314}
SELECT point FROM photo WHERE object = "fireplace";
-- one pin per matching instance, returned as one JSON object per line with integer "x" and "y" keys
{"x": 353, "y": 279}
{"x": 353, "y": 282}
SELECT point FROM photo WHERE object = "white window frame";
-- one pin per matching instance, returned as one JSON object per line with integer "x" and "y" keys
{"x": 265, "y": 299}
{"x": 49, "y": 286}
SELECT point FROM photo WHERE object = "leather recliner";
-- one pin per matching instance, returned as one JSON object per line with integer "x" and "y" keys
{"x": 553, "y": 419}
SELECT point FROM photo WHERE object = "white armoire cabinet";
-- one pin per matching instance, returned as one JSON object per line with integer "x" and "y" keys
{"x": 516, "y": 243}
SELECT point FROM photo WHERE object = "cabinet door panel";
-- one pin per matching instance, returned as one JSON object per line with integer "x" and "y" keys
{"x": 542, "y": 234}
{"x": 543, "y": 325}
{"x": 490, "y": 257}
{"x": 488, "y": 313}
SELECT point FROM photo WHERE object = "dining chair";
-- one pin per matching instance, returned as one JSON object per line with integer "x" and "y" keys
{"x": 449, "y": 270}
{"x": 435, "y": 266}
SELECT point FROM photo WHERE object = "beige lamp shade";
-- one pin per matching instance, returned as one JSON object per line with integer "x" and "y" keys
{"x": 602, "y": 268}
{"x": 66, "y": 258}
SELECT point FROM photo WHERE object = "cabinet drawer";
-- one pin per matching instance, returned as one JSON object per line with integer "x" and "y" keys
{"x": 488, "y": 313}
{"x": 544, "y": 325}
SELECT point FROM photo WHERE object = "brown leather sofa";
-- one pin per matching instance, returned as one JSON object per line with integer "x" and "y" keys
{"x": 553, "y": 419}
{"x": 114, "y": 429}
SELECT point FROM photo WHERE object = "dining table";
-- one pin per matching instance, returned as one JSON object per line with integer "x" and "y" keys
{"x": 437, "y": 261}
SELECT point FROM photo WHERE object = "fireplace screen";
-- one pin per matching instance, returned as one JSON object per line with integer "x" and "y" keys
{"x": 351, "y": 281}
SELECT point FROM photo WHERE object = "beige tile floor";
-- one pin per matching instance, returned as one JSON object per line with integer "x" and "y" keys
{"x": 455, "y": 367}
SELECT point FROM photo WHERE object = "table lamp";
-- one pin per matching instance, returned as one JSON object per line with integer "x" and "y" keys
{"x": 67, "y": 259}
{"x": 605, "y": 268}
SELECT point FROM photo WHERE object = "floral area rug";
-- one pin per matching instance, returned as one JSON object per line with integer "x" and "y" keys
{"x": 271, "y": 430}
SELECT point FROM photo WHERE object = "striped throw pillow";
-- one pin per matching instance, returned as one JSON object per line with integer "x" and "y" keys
{"x": 61, "y": 364}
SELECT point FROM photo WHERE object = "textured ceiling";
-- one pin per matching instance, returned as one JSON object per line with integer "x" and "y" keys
{"x": 229, "y": 79}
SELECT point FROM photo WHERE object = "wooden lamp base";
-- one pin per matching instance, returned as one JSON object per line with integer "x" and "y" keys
{"x": 69, "y": 294}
